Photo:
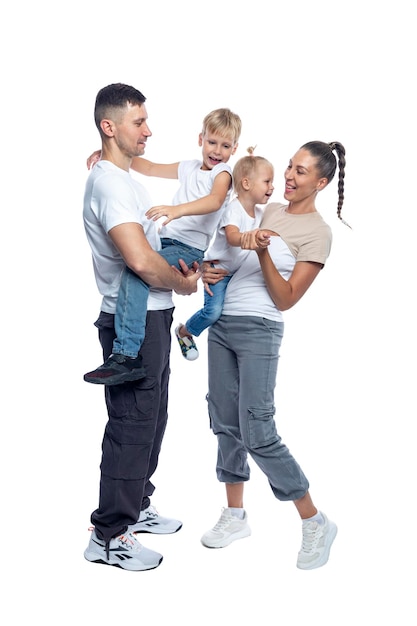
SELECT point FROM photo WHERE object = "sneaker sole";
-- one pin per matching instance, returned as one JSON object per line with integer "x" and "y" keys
{"x": 94, "y": 558}
{"x": 154, "y": 530}
{"x": 117, "y": 379}
{"x": 325, "y": 556}
{"x": 222, "y": 543}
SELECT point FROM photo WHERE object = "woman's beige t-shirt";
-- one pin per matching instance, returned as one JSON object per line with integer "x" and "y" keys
{"x": 307, "y": 235}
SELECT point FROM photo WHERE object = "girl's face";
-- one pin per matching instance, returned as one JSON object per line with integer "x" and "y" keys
{"x": 261, "y": 185}
{"x": 302, "y": 179}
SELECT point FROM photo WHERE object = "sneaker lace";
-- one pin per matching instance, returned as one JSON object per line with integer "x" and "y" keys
{"x": 222, "y": 523}
{"x": 127, "y": 540}
{"x": 151, "y": 510}
{"x": 311, "y": 536}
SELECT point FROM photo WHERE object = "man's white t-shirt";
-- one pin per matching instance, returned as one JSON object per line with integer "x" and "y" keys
{"x": 113, "y": 197}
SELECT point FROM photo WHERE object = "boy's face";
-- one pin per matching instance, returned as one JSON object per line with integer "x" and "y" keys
{"x": 216, "y": 149}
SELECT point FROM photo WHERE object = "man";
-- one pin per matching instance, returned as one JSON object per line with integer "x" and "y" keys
{"x": 119, "y": 234}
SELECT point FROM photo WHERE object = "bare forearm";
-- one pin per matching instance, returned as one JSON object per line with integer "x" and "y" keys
{"x": 286, "y": 293}
{"x": 202, "y": 206}
{"x": 156, "y": 272}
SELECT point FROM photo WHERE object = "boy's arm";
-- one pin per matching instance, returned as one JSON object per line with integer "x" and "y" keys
{"x": 142, "y": 166}
{"x": 207, "y": 204}
{"x": 149, "y": 168}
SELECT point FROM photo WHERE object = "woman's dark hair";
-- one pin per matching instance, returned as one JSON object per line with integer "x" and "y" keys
{"x": 326, "y": 164}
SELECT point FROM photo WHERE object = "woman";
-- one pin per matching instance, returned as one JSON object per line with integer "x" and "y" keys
{"x": 243, "y": 348}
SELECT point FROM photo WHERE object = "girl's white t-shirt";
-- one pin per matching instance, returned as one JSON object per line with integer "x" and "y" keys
{"x": 304, "y": 237}
{"x": 231, "y": 257}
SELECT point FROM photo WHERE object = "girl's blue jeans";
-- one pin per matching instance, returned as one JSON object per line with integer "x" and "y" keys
{"x": 211, "y": 310}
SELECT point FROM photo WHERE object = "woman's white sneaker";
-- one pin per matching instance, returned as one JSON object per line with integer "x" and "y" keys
{"x": 228, "y": 529}
{"x": 316, "y": 544}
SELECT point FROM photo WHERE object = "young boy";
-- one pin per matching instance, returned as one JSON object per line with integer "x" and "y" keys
{"x": 204, "y": 192}
{"x": 253, "y": 178}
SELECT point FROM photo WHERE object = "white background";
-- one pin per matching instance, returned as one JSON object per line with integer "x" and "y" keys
{"x": 346, "y": 386}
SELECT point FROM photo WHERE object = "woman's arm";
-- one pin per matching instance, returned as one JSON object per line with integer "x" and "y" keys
{"x": 286, "y": 293}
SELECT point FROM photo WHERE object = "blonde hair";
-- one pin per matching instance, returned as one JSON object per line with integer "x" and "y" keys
{"x": 247, "y": 167}
{"x": 224, "y": 122}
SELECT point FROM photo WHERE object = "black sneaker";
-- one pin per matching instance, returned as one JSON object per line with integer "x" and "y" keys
{"x": 117, "y": 369}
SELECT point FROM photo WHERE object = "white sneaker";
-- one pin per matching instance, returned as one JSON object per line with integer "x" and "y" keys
{"x": 123, "y": 551}
{"x": 317, "y": 541}
{"x": 151, "y": 522}
{"x": 228, "y": 529}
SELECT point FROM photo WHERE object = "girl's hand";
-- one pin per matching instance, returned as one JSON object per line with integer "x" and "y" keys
{"x": 254, "y": 239}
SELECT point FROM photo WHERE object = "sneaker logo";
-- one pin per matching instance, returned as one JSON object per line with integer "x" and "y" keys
{"x": 152, "y": 521}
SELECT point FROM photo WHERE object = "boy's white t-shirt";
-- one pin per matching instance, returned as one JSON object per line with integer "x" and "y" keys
{"x": 195, "y": 183}
{"x": 231, "y": 257}
{"x": 113, "y": 197}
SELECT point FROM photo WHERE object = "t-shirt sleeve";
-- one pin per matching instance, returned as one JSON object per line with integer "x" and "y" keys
{"x": 316, "y": 249}
{"x": 116, "y": 204}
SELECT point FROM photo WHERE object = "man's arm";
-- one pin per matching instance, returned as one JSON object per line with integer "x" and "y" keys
{"x": 130, "y": 240}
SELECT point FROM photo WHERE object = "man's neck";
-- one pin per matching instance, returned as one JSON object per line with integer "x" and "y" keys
{"x": 116, "y": 157}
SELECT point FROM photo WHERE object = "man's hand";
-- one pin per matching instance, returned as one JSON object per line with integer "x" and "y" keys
{"x": 191, "y": 277}
{"x": 211, "y": 275}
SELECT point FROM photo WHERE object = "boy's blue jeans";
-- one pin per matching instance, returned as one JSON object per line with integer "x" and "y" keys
{"x": 212, "y": 309}
{"x": 131, "y": 308}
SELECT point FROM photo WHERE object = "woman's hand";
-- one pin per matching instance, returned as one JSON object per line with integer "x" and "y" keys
{"x": 255, "y": 239}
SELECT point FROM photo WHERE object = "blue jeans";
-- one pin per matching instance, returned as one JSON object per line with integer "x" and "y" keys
{"x": 211, "y": 310}
{"x": 132, "y": 298}
{"x": 243, "y": 354}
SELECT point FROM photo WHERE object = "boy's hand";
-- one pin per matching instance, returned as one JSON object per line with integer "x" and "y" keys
{"x": 170, "y": 212}
{"x": 93, "y": 159}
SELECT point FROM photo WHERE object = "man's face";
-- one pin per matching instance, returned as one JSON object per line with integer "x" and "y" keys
{"x": 132, "y": 131}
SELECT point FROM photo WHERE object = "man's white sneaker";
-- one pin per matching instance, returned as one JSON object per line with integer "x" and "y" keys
{"x": 123, "y": 551}
{"x": 228, "y": 529}
{"x": 316, "y": 544}
{"x": 151, "y": 522}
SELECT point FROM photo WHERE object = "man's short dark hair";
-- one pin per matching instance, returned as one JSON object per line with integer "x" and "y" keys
{"x": 115, "y": 96}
